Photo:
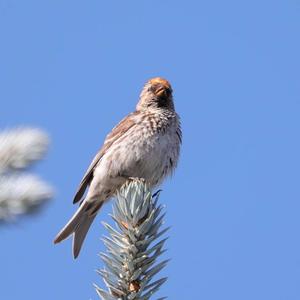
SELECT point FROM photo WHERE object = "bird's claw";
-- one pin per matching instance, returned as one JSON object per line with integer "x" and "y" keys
{"x": 156, "y": 193}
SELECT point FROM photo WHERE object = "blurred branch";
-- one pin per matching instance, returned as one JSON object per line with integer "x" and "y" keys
{"x": 20, "y": 194}
{"x": 134, "y": 246}
{"x": 20, "y": 147}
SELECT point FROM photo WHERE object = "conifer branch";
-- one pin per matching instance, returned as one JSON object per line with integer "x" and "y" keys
{"x": 20, "y": 147}
{"x": 134, "y": 246}
{"x": 21, "y": 193}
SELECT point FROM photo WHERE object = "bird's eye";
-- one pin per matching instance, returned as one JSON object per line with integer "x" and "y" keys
{"x": 168, "y": 92}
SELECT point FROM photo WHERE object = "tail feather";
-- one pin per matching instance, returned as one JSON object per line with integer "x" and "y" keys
{"x": 78, "y": 225}
{"x": 80, "y": 233}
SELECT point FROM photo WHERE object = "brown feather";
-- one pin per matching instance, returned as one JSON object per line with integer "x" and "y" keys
{"x": 80, "y": 233}
{"x": 117, "y": 132}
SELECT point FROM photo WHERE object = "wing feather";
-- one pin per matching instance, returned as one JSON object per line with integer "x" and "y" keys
{"x": 111, "y": 138}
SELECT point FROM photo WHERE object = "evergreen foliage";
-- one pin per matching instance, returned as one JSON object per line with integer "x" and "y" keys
{"x": 134, "y": 246}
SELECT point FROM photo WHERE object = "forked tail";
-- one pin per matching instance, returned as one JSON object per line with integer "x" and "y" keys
{"x": 79, "y": 226}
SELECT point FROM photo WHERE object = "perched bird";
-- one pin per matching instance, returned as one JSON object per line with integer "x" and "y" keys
{"x": 145, "y": 144}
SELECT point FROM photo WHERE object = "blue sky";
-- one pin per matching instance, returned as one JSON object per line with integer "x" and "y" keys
{"x": 75, "y": 68}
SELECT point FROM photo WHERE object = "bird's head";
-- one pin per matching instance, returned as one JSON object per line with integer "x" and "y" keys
{"x": 157, "y": 93}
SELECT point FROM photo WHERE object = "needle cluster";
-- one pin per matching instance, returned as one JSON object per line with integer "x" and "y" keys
{"x": 21, "y": 193}
{"x": 134, "y": 246}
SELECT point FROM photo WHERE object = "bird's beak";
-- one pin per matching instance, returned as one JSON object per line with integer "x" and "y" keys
{"x": 160, "y": 91}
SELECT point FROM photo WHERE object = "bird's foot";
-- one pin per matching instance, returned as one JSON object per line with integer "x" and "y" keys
{"x": 156, "y": 193}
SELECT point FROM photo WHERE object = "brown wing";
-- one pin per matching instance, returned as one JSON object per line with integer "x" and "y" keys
{"x": 115, "y": 134}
